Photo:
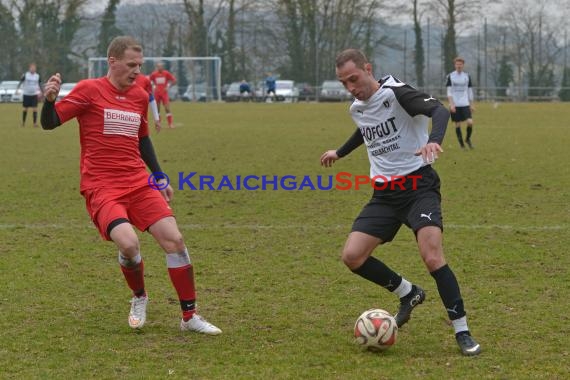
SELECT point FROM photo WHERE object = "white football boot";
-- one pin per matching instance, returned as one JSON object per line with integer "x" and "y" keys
{"x": 137, "y": 316}
{"x": 200, "y": 325}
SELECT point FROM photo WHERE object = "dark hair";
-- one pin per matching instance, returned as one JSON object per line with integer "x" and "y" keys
{"x": 120, "y": 44}
{"x": 353, "y": 55}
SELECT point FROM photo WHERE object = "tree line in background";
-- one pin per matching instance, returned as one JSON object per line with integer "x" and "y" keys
{"x": 299, "y": 39}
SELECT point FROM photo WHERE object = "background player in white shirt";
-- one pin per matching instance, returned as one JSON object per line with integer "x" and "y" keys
{"x": 460, "y": 96}
{"x": 32, "y": 90}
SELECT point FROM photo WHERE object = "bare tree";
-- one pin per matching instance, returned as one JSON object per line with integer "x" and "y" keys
{"x": 109, "y": 28}
{"x": 294, "y": 33}
{"x": 237, "y": 23}
{"x": 419, "y": 60}
{"x": 8, "y": 58}
{"x": 230, "y": 44}
{"x": 314, "y": 31}
{"x": 47, "y": 29}
{"x": 452, "y": 13}
{"x": 534, "y": 46}
{"x": 200, "y": 24}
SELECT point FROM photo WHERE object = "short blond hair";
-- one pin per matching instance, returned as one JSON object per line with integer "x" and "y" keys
{"x": 459, "y": 59}
{"x": 354, "y": 55}
{"x": 120, "y": 44}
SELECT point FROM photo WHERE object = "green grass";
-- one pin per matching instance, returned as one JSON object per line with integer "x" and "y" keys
{"x": 267, "y": 262}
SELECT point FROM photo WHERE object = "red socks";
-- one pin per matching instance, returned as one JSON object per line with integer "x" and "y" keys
{"x": 133, "y": 270}
{"x": 181, "y": 274}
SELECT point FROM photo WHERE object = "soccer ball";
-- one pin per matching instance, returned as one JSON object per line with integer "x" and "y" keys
{"x": 376, "y": 330}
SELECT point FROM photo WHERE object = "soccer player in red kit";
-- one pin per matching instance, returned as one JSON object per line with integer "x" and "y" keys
{"x": 144, "y": 82}
{"x": 115, "y": 147}
{"x": 162, "y": 80}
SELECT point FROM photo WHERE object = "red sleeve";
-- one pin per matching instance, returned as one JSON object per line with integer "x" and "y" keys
{"x": 171, "y": 77}
{"x": 76, "y": 102}
{"x": 146, "y": 84}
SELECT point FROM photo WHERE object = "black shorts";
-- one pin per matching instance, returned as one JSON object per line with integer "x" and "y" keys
{"x": 30, "y": 101}
{"x": 461, "y": 114}
{"x": 388, "y": 209}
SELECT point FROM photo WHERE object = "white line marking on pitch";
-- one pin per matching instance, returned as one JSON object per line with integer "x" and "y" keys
{"x": 36, "y": 226}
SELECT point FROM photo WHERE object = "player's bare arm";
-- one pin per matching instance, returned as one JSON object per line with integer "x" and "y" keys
{"x": 167, "y": 192}
{"x": 328, "y": 158}
{"x": 430, "y": 152}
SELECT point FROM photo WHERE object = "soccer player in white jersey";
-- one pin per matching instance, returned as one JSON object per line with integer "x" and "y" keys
{"x": 32, "y": 89}
{"x": 460, "y": 96}
{"x": 392, "y": 121}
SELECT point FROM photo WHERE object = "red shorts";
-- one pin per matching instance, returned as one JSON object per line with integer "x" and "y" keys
{"x": 161, "y": 97}
{"x": 142, "y": 207}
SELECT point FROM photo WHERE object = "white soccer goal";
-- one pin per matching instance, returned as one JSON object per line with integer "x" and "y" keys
{"x": 199, "y": 78}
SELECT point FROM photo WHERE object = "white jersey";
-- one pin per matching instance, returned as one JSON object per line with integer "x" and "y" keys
{"x": 460, "y": 88}
{"x": 394, "y": 124}
{"x": 31, "y": 83}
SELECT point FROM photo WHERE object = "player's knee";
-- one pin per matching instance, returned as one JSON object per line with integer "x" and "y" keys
{"x": 173, "y": 242}
{"x": 129, "y": 246}
{"x": 433, "y": 260}
{"x": 178, "y": 241}
{"x": 125, "y": 238}
{"x": 353, "y": 258}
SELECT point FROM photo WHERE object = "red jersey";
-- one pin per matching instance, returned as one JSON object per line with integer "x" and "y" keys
{"x": 111, "y": 122}
{"x": 160, "y": 80}
{"x": 143, "y": 81}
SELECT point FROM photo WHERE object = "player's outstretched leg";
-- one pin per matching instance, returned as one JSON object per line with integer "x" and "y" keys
{"x": 133, "y": 270}
{"x": 181, "y": 274}
{"x": 448, "y": 289}
{"x": 356, "y": 256}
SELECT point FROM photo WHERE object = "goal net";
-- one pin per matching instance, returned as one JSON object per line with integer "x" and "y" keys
{"x": 198, "y": 78}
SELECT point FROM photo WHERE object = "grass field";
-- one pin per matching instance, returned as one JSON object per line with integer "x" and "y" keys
{"x": 267, "y": 262}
